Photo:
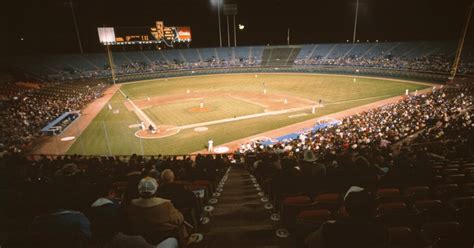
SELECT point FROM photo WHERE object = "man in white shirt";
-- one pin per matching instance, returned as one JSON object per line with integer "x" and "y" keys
{"x": 210, "y": 143}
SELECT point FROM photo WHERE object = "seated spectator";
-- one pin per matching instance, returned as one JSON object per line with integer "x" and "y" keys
{"x": 156, "y": 218}
{"x": 288, "y": 179}
{"x": 358, "y": 230}
{"x": 312, "y": 173}
{"x": 104, "y": 214}
{"x": 60, "y": 226}
{"x": 176, "y": 193}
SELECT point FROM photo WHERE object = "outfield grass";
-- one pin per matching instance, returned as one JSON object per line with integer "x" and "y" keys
{"x": 337, "y": 92}
{"x": 183, "y": 113}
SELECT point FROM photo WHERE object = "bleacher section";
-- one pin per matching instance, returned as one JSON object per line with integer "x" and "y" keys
{"x": 279, "y": 56}
{"x": 415, "y": 56}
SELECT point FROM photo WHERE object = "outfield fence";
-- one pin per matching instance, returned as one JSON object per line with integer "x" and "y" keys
{"x": 344, "y": 70}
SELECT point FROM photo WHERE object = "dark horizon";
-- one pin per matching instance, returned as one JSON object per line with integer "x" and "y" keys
{"x": 47, "y": 26}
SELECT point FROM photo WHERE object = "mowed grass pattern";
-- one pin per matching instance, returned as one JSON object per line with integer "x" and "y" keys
{"x": 337, "y": 93}
{"x": 181, "y": 113}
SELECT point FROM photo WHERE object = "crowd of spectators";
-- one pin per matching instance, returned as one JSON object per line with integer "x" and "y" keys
{"x": 138, "y": 67}
{"x": 377, "y": 128}
{"x": 76, "y": 201}
{"x": 431, "y": 63}
{"x": 27, "y": 109}
{"x": 423, "y": 142}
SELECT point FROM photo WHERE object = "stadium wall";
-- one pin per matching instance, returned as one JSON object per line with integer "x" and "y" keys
{"x": 357, "y": 71}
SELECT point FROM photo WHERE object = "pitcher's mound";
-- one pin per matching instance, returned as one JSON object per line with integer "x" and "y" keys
{"x": 161, "y": 132}
{"x": 199, "y": 110}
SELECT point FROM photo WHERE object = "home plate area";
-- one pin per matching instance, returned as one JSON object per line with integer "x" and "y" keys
{"x": 161, "y": 132}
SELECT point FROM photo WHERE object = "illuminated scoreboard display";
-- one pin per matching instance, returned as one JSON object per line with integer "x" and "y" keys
{"x": 144, "y": 35}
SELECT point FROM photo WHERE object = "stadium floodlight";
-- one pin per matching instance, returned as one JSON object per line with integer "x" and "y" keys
{"x": 241, "y": 27}
{"x": 217, "y": 3}
{"x": 355, "y": 22}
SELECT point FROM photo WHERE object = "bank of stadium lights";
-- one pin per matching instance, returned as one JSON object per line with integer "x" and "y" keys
{"x": 241, "y": 27}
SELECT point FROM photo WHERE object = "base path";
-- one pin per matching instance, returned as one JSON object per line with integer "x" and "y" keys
{"x": 235, "y": 145}
{"x": 54, "y": 144}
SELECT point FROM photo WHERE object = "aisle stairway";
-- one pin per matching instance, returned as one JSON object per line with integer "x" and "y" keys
{"x": 239, "y": 218}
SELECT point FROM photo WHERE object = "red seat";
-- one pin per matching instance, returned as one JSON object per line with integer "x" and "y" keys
{"x": 204, "y": 183}
{"x": 328, "y": 200}
{"x": 342, "y": 212}
{"x": 388, "y": 192}
{"x": 314, "y": 216}
{"x": 296, "y": 200}
{"x": 388, "y": 195}
{"x": 392, "y": 208}
{"x": 291, "y": 207}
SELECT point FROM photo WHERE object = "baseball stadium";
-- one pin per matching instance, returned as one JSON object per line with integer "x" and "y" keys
{"x": 226, "y": 131}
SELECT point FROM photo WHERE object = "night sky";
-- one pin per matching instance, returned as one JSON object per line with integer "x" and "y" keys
{"x": 47, "y": 27}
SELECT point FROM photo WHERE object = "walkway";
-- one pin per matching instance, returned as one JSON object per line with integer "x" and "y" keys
{"x": 239, "y": 219}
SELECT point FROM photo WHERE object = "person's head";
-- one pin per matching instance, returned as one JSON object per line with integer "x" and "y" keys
{"x": 106, "y": 190}
{"x": 358, "y": 202}
{"x": 167, "y": 176}
{"x": 147, "y": 187}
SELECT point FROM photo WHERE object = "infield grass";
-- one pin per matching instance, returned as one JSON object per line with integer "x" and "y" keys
{"x": 337, "y": 93}
{"x": 188, "y": 112}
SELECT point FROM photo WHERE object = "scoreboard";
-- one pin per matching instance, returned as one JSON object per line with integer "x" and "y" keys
{"x": 156, "y": 34}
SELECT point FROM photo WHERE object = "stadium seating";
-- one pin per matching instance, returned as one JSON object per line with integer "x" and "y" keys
{"x": 415, "y": 56}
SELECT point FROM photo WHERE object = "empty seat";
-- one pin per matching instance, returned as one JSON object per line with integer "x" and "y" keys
{"x": 388, "y": 195}
{"x": 317, "y": 216}
{"x": 296, "y": 200}
{"x": 291, "y": 207}
{"x": 330, "y": 201}
{"x": 392, "y": 208}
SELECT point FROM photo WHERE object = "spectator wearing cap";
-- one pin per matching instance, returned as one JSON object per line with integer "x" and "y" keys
{"x": 156, "y": 219}
{"x": 358, "y": 230}
{"x": 312, "y": 172}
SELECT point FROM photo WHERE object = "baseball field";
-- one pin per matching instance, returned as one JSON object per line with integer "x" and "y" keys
{"x": 187, "y": 111}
